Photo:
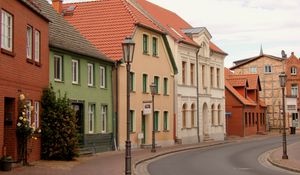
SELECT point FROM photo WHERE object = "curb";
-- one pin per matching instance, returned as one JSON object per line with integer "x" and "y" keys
{"x": 175, "y": 151}
{"x": 270, "y": 160}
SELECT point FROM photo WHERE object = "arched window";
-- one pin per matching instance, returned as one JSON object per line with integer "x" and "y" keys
{"x": 212, "y": 114}
{"x": 219, "y": 115}
{"x": 246, "y": 119}
{"x": 193, "y": 123}
{"x": 184, "y": 116}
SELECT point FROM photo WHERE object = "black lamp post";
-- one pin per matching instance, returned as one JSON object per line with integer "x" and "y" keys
{"x": 282, "y": 78}
{"x": 128, "y": 51}
{"x": 153, "y": 92}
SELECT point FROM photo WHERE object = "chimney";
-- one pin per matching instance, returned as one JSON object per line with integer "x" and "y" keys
{"x": 283, "y": 54}
{"x": 57, "y": 5}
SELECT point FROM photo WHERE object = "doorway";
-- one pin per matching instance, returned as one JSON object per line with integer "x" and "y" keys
{"x": 9, "y": 133}
{"x": 144, "y": 128}
{"x": 78, "y": 109}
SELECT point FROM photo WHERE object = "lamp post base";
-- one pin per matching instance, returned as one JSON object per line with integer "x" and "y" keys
{"x": 285, "y": 157}
{"x": 153, "y": 150}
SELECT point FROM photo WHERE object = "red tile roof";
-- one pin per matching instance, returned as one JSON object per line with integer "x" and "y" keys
{"x": 106, "y": 23}
{"x": 262, "y": 103}
{"x": 227, "y": 72}
{"x": 237, "y": 82}
{"x": 253, "y": 79}
{"x": 234, "y": 92}
{"x": 173, "y": 23}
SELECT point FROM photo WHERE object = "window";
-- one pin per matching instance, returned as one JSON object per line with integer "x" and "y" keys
{"x": 253, "y": 119}
{"x": 193, "y": 123}
{"x": 58, "y": 68}
{"x": 184, "y": 116}
{"x": 102, "y": 77}
{"x": 75, "y": 71}
{"x": 145, "y": 79}
{"x": 218, "y": 77}
{"x": 145, "y": 44}
{"x": 211, "y": 76}
{"x": 183, "y": 72}
{"x": 246, "y": 119}
{"x": 268, "y": 69}
{"x": 249, "y": 121}
{"x": 156, "y": 120}
{"x": 219, "y": 115}
{"x": 294, "y": 90}
{"x": 6, "y": 31}
{"x": 252, "y": 70}
{"x": 90, "y": 74}
{"x": 37, "y": 46}
{"x": 293, "y": 71}
{"x": 28, "y": 111}
{"x": 165, "y": 86}
{"x": 37, "y": 114}
{"x": 166, "y": 121}
{"x": 203, "y": 75}
{"x": 91, "y": 114}
{"x": 213, "y": 114}
{"x": 132, "y": 121}
{"x": 29, "y": 42}
{"x": 156, "y": 82}
{"x": 192, "y": 73}
{"x": 104, "y": 118}
{"x": 132, "y": 81}
{"x": 154, "y": 46}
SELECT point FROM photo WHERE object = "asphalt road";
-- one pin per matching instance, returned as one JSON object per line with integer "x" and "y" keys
{"x": 239, "y": 158}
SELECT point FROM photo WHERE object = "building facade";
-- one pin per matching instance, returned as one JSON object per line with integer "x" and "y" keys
{"x": 246, "y": 113}
{"x": 192, "y": 50}
{"x": 152, "y": 62}
{"x": 79, "y": 71}
{"x": 268, "y": 68}
{"x": 24, "y": 69}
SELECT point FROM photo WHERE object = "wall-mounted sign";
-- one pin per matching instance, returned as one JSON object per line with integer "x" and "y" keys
{"x": 147, "y": 107}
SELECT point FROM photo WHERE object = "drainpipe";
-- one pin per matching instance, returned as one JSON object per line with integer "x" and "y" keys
{"x": 117, "y": 63}
{"x": 197, "y": 79}
{"x": 243, "y": 119}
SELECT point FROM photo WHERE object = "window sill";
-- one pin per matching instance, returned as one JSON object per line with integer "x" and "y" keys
{"x": 132, "y": 91}
{"x": 132, "y": 132}
{"x": 166, "y": 130}
{"x": 146, "y": 53}
{"x": 37, "y": 63}
{"x": 58, "y": 81}
{"x": 157, "y": 131}
{"x": 7, "y": 52}
{"x": 75, "y": 84}
{"x": 145, "y": 92}
{"x": 166, "y": 95}
{"x": 29, "y": 60}
{"x": 103, "y": 88}
{"x": 156, "y": 56}
{"x": 91, "y": 86}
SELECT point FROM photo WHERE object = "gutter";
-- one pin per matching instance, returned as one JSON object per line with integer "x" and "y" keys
{"x": 197, "y": 78}
{"x": 117, "y": 63}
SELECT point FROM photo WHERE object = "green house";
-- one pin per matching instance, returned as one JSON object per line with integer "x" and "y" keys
{"x": 80, "y": 71}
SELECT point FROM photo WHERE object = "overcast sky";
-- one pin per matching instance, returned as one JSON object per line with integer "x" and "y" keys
{"x": 240, "y": 27}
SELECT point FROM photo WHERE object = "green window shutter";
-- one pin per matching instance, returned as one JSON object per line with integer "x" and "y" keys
{"x": 156, "y": 82}
{"x": 166, "y": 121}
{"x": 156, "y": 120}
{"x": 145, "y": 43}
{"x": 165, "y": 86}
{"x": 154, "y": 46}
{"x": 145, "y": 77}
{"x": 131, "y": 81}
{"x": 131, "y": 120}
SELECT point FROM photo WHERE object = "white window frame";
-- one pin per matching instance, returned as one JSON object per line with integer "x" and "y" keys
{"x": 253, "y": 69}
{"x": 57, "y": 57}
{"x": 6, "y": 31}
{"x": 28, "y": 111}
{"x": 103, "y": 118}
{"x": 29, "y": 31}
{"x": 102, "y": 77}
{"x": 91, "y": 117}
{"x": 90, "y": 74}
{"x": 268, "y": 68}
{"x": 293, "y": 70}
{"x": 37, "y": 114}
{"x": 37, "y": 46}
{"x": 75, "y": 73}
{"x": 294, "y": 90}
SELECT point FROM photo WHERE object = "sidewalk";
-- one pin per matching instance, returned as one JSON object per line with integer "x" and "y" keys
{"x": 293, "y": 163}
{"x": 111, "y": 163}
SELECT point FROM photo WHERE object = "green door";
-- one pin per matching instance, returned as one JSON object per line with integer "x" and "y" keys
{"x": 144, "y": 128}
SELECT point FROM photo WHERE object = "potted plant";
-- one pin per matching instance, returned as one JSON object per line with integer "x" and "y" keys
{"x": 6, "y": 162}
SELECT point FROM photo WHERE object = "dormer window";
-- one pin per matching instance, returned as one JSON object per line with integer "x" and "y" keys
{"x": 293, "y": 70}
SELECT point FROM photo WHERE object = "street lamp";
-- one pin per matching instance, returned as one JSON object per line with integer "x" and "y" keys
{"x": 282, "y": 78}
{"x": 128, "y": 51}
{"x": 153, "y": 92}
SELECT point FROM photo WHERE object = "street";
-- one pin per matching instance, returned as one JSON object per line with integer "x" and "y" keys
{"x": 238, "y": 158}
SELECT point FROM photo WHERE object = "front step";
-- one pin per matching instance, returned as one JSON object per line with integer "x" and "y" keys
{"x": 85, "y": 152}
{"x": 207, "y": 138}
{"x": 149, "y": 146}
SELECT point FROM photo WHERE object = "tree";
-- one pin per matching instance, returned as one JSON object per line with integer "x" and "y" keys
{"x": 59, "y": 129}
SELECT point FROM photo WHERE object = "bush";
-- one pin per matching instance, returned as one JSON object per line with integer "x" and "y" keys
{"x": 59, "y": 129}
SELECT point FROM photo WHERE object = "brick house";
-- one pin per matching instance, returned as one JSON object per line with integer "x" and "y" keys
{"x": 245, "y": 112}
{"x": 268, "y": 67}
{"x": 24, "y": 69}
{"x": 292, "y": 88}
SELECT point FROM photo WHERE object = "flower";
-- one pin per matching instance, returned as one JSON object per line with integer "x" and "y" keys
{"x": 39, "y": 131}
{"x": 21, "y": 118}
{"x": 22, "y": 96}
{"x": 19, "y": 124}
{"x": 23, "y": 113}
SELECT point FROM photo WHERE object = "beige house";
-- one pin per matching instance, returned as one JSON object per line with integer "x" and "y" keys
{"x": 268, "y": 68}
{"x": 107, "y": 28}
